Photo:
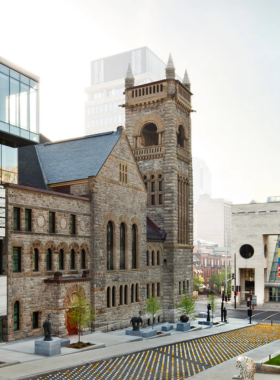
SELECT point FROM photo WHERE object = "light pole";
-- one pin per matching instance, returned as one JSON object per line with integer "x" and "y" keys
{"x": 226, "y": 263}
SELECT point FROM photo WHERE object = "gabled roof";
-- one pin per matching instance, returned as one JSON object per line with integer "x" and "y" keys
{"x": 153, "y": 232}
{"x": 76, "y": 159}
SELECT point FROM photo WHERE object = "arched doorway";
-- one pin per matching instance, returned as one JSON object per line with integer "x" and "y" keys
{"x": 72, "y": 329}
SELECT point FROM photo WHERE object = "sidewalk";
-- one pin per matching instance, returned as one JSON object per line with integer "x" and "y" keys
{"x": 223, "y": 371}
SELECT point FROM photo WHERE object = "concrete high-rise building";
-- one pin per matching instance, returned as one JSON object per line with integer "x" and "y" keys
{"x": 201, "y": 179}
{"x": 213, "y": 220}
{"x": 103, "y": 108}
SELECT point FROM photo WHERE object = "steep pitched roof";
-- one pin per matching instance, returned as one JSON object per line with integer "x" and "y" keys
{"x": 153, "y": 232}
{"x": 75, "y": 159}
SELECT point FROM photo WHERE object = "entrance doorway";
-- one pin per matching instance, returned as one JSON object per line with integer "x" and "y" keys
{"x": 250, "y": 281}
{"x": 72, "y": 329}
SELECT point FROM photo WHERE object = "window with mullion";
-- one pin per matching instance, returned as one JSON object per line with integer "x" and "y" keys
{"x": 16, "y": 259}
{"x": 51, "y": 222}
{"x": 122, "y": 246}
{"x": 72, "y": 224}
{"x": 27, "y": 219}
{"x": 16, "y": 225}
{"x": 72, "y": 264}
{"x": 49, "y": 260}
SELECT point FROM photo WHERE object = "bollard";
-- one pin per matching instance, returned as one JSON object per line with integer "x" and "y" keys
{"x": 271, "y": 320}
{"x": 247, "y": 367}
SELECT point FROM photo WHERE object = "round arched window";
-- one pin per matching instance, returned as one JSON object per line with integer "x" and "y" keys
{"x": 246, "y": 251}
{"x": 265, "y": 250}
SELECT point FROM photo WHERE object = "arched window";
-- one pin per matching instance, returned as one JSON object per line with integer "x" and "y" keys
{"x": 148, "y": 258}
{"x": 122, "y": 246}
{"x": 125, "y": 294}
{"x": 108, "y": 297}
{"x": 49, "y": 259}
{"x": 35, "y": 260}
{"x": 113, "y": 296}
{"x": 16, "y": 316}
{"x": 148, "y": 290}
{"x": 110, "y": 246}
{"x": 134, "y": 246}
{"x": 132, "y": 293}
{"x": 72, "y": 259}
{"x": 61, "y": 259}
{"x": 181, "y": 137}
{"x": 121, "y": 295}
{"x": 83, "y": 259}
{"x": 149, "y": 135}
{"x": 153, "y": 258}
{"x": 158, "y": 258}
{"x": 137, "y": 293}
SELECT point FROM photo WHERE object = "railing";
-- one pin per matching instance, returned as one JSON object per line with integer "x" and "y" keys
{"x": 148, "y": 89}
{"x": 182, "y": 152}
{"x": 150, "y": 150}
{"x": 3, "y": 295}
{"x": 184, "y": 93}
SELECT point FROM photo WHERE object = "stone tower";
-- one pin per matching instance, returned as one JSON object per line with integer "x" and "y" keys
{"x": 158, "y": 126}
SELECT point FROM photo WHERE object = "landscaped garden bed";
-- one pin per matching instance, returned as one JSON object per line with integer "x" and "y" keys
{"x": 80, "y": 345}
{"x": 274, "y": 361}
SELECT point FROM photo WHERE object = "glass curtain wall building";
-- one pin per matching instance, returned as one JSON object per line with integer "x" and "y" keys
{"x": 103, "y": 111}
{"x": 19, "y": 116}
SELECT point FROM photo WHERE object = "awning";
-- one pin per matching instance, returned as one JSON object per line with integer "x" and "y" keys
{"x": 272, "y": 284}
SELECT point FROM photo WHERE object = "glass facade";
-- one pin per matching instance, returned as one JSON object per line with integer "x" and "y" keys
{"x": 19, "y": 113}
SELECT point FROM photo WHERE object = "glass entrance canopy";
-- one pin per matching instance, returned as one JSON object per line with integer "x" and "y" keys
{"x": 19, "y": 105}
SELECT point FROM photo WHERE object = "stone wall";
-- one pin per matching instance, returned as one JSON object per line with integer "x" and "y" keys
{"x": 28, "y": 286}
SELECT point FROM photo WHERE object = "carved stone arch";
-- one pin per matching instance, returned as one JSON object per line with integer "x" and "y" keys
{"x": 110, "y": 218}
{"x": 68, "y": 296}
{"x": 147, "y": 119}
{"x": 136, "y": 221}
{"x": 124, "y": 219}
{"x": 50, "y": 245}
{"x": 36, "y": 245}
{"x": 74, "y": 246}
{"x": 63, "y": 246}
{"x": 85, "y": 247}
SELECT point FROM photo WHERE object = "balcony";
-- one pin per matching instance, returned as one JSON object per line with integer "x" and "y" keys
{"x": 3, "y": 295}
{"x": 182, "y": 154}
{"x": 149, "y": 152}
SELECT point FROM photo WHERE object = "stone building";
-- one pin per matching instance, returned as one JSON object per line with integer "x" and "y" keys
{"x": 107, "y": 215}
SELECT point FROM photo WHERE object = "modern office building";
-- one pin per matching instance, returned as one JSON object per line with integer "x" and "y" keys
{"x": 19, "y": 126}
{"x": 213, "y": 220}
{"x": 201, "y": 179}
{"x": 255, "y": 241}
{"x": 103, "y": 108}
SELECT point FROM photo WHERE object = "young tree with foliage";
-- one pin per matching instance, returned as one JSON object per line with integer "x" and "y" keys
{"x": 80, "y": 313}
{"x": 213, "y": 303}
{"x": 186, "y": 304}
{"x": 152, "y": 306}
{"x": 197, "y": 282}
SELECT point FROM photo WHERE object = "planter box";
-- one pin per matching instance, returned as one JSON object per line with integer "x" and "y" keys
{"x": 166, "y": 327}
{"x": 149, "y": 333}
{"x": 206, "y": 323}
{"x": 183, "y": 326}
{"x": 133, "y": 333}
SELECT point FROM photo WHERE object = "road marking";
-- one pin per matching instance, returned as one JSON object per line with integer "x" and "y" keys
{"x": 271, "y": 316}
{"x": 257, "y": 314}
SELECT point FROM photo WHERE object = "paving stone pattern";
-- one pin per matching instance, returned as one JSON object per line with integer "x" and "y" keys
{"x": 176, "y": 361}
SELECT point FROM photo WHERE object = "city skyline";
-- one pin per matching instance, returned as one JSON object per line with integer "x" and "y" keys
{"x": 232, "y": 63}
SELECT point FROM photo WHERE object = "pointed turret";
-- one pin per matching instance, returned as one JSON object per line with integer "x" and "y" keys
{"x": 186, "y": 81}
{"x": 170, "y": 69}
{"x": 129, "y": 78}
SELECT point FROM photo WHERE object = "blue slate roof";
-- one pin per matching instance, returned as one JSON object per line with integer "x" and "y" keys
{"x": 76, "y": 159}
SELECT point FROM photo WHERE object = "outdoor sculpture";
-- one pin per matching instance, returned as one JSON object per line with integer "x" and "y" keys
{"x": 247, "y": 367}
{"x": 47, "y": 326}
{"x": 135, "y": 323}
{"x": 208, "y": 312}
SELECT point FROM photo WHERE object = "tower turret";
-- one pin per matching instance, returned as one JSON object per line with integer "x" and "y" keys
{"x": 129, "y": 78}
{"x": 170, "y": 69}
{"x": 186, "y": 81}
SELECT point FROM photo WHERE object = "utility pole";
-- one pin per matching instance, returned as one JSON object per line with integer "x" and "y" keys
{"x": 235, "y": 280}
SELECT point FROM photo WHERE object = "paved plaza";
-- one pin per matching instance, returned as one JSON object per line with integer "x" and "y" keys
{"x": 175, "y": 361}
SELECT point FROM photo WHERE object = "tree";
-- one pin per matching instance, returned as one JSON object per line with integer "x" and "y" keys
{"x": 213, "y": 303}
{"x": 186, "y": 304}
{"x": 80, "y": 313}
{"x": 152, "y": 306}
{"x": 197, "y": 281}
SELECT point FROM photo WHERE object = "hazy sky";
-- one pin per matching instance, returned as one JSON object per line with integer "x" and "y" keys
{"x": 230, "y": 48}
